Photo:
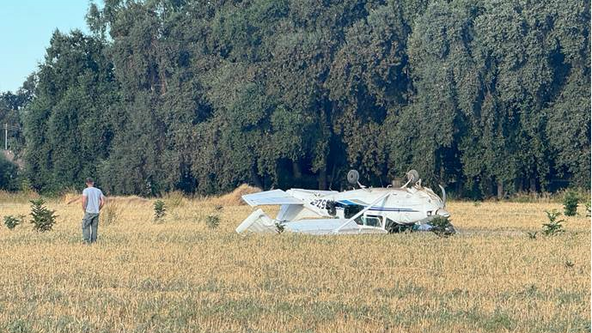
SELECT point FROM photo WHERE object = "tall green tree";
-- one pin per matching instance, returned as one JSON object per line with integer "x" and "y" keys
{"x": 67, "y": 126}
{"x": 485, "y": 97}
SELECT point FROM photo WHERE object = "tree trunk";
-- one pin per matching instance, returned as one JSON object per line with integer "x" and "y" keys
{"x": 255, "y": 177}
{"x": 332, "y": 179}
{"x": 296, "y": 170}
{"x": 500, "y": 190}
{"x": 323, "y": 178}
{"x": 533, "y": 185}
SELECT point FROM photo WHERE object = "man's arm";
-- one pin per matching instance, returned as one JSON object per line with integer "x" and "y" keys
{"x": 84, "y": 203}
{"x": 102, "y": 202}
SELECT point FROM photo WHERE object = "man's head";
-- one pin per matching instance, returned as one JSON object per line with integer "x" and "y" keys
{"x": 89, "y": 182}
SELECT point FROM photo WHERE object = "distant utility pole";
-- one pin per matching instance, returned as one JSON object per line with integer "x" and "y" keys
{"x": 6, "y": 128}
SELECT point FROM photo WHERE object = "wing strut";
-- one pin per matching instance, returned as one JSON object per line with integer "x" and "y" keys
{"x": 443, "y": 195}
{"x": 362, "y": 212}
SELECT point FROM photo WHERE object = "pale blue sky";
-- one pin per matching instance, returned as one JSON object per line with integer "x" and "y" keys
{"x": 25, "y": 29}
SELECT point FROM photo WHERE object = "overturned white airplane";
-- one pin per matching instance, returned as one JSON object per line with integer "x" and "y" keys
{"x": 358, "y": 211}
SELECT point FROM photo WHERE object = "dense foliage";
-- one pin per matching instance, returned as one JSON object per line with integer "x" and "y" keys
{"x": 487, "y": 97}
{"x": 8, "y": 174}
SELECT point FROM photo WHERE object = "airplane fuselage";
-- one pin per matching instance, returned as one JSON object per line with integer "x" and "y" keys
{"x": 401, "y": 206}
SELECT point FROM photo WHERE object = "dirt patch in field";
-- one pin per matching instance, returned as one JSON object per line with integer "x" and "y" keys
{"x": 234, "y": 198}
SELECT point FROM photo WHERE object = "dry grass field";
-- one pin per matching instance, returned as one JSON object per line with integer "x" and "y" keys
{"x": 179, "y": 275}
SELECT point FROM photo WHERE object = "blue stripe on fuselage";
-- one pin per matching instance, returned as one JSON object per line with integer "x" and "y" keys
{"x": 394, "y": 210}
{"x": 379, "y": 209}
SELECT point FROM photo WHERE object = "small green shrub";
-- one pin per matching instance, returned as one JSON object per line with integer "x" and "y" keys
{"x": 212, "y": 221}
{"x": 26, "y": 187}
{"x": 554, "y": 226}
{"x": 159, "y": 210}
{"x": 588, "y": 209}
{"x": 42, "y": 218}
{"x": 442, "y": 227}
{"x": 532, "y": 234}
{"x": 570, "y": 203}
{"x": 11, "y": 221}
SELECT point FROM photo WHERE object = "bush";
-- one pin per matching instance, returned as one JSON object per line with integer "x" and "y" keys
{"x": 43, "y": 219}
{"x": 570, "y": 203}
{"x": 12, "y": 221}
{"x": 442, "y": 227}
{"x": 213, "y": 221}
{"x": 159, "y": 210}
{"x": 554, "y": 226}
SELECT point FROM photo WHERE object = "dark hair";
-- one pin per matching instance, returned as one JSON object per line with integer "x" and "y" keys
{"x": 89, "y": 180}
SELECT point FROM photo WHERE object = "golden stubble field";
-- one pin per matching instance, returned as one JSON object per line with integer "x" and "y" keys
{"x": 181, "y": 276}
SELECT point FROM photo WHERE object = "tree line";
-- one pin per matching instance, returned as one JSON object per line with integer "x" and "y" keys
{"x": 486, "y": 97}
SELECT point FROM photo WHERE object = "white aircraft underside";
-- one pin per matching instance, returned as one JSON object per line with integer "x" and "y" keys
{"x": 365, "y": 210}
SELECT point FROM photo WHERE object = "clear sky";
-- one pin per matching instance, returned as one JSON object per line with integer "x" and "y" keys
{"x": 25, "y": 29}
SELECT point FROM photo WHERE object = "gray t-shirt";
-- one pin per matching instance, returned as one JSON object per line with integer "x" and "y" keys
{"x": 93, "y": 199}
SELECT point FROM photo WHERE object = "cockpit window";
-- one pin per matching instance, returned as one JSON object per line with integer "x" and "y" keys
{"x": 351, "y": 210}
{"x": 369, "y": 220}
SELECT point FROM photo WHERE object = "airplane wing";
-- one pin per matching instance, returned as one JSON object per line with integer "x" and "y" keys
{"x": 329, "y": 227}
{"x": 313, "y": 192}
{"x": 274, "y": 197}
{"x": 318, "y": 226}
{"x": 259, "y": 222}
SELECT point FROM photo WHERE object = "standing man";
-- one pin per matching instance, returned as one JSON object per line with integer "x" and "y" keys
{"x": 92, "y": 202}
